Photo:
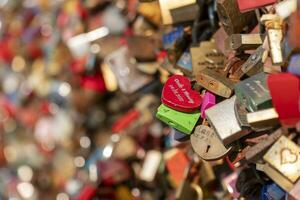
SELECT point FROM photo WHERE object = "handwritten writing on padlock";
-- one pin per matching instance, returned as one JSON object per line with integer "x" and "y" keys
{"x": 178, "y": 94}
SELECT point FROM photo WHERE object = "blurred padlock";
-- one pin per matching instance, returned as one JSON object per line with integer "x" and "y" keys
{"x": 246, "y": 6}
{"x": 177, "y": 11}
{"x": 124, "y": 67}
{"x": 232, "y": 19}
{"x": 150, "y": 166}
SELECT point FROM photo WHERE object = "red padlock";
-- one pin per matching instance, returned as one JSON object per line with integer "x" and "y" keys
{"x": 246, "y": 5}
{"x": 178, "y": 94}
{"x": 285, "y": 92}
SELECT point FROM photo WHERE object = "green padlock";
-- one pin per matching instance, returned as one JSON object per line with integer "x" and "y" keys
{"x": 254, "y": 93}
{"x": 184, "y": 122}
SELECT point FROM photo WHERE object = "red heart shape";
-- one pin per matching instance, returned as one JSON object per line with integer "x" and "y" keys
{"x": 177, "y": 94}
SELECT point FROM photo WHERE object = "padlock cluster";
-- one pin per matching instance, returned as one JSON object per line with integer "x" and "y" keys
{"x": 149, "y": 99}
{"x": 235, "y": 95}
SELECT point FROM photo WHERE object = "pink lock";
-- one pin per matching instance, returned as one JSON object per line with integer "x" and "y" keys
{"x": 209, "y": 100}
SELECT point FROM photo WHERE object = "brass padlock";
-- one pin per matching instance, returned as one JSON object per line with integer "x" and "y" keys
{"x": 215, "y": 82}
{"x": 207, "y": 144}
{"x": 264, "y": 119}
{"x": 206, "y": 55}
{"x": 232, "y": 19}
{"x": 284, "y": 156}
{"x": 241, "y": 42}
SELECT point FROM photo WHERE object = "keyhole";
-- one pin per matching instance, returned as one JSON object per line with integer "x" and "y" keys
{"x": 207, "y": 148}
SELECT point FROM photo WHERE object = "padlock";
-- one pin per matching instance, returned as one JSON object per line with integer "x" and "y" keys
{"x": 207, "y": 144}
{"x": 263, "y": 119}
{"x": 121, "y": 64}
{"x": 150, "y": 166}
{"x": 184, "y": 122}
{"x": 245, "y": 6}
{"x": 274, "y": 26}
{"x": 126, "y": 120}
{"x": 252, "y": 66}
{"x": 272, "y": 191}
{"x": 241, "y": 42}
{"x": 174, "y": 8}
{"x": 232, "y": 19}
{"x": 284, "y": 157}
{"x": 223, "y": 120}
{"x": 184, "y": 13}
{"x": 254, "y": 93}
{"x": 209, "y": 100}
{"x": 205, "y": 56}
{"x": 258, "y": 150}
{"x": 142, "y": 48}
{"x": 215, "y": 82}
{"x": 176, "y": 163}
{"x": 206, "y": 173}
{"x": 178, "y": 94}
{"x": 284, "y": 90}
